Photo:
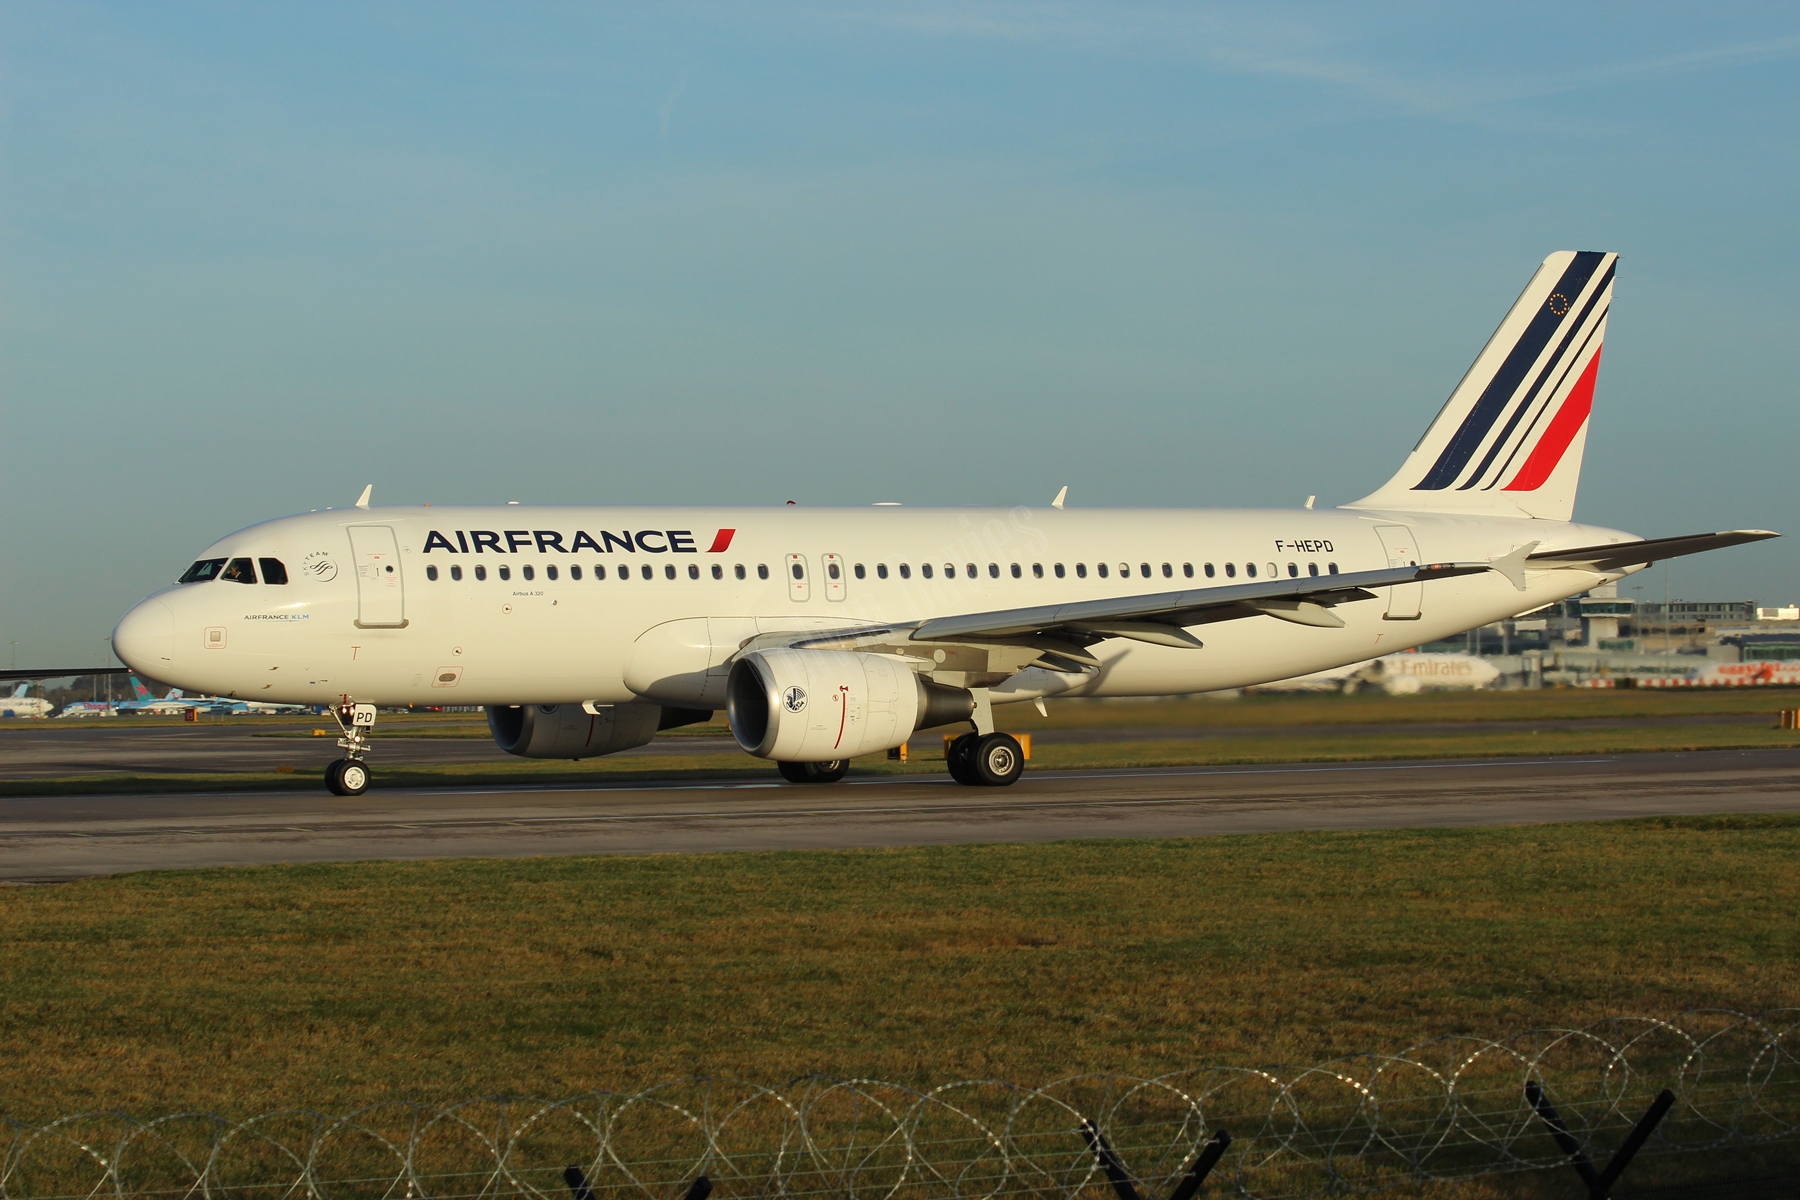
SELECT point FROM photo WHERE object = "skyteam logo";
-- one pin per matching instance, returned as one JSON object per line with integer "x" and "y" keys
{"x": 319, "y": 565}
{"x": 794, "y": 699}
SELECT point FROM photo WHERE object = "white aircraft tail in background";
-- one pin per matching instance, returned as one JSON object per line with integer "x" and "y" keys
{"x": 1508, "y": 442}
{"x": 20, "y": 705}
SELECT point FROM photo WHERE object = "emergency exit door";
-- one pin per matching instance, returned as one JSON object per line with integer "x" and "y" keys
{"x": 1404, "y": 599}
{"x": 380, "y": 594}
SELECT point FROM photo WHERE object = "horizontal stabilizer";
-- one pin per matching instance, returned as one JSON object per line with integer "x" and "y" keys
{"x": 1619, "y": 555}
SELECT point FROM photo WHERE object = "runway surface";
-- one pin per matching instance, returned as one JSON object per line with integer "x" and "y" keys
{"x": 58, "y": 838}
{"x": 130, "y": 745}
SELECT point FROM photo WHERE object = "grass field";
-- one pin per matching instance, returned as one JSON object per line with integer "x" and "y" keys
{"x": 243, "y": 990}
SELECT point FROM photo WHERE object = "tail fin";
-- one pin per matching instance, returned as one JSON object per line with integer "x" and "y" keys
{"x": 21, "y": 690}
{"x": 1509, "y": 440}
{"x": 139, "y": 690}
{"x": 174, "y": 694}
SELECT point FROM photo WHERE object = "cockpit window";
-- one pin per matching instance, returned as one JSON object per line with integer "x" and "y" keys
{"x": 205, "y": 569}
{"x": 240, "y": 571}
{"x": 273, "y": 569}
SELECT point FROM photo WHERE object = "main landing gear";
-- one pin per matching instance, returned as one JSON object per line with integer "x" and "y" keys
{"x": 815, "y": 772}
{"x": 986, "y": 759}
{"x": 349, "y": 775}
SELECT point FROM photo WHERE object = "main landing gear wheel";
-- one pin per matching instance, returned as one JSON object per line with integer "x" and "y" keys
{"x": 347, "y": 777}
{"x": 960, "y": 756}
{"x": 998, "y": 760}
{"x": 815, "y": 772}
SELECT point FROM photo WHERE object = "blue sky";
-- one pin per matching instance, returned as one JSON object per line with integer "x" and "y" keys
{"x": 253, "y": 257}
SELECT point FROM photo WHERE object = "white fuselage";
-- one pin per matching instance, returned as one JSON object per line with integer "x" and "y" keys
{"x": 648, "y": 603}
{"x": 25, "y": 706}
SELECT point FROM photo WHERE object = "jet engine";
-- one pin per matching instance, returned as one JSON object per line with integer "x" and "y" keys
{"x": 825, "y": 705}
{"x": 582, "y": 730}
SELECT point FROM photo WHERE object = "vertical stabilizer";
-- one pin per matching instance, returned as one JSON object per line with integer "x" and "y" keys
{"x": 1509, "y": 440}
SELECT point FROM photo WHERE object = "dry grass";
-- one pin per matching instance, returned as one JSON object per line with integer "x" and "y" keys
{"x": 244, "y": 990}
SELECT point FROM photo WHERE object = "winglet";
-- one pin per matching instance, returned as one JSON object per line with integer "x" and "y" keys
{"x": 1513, "y": 565}
{"x": 362, "y": 501}
{"x": 1060, "y": 497}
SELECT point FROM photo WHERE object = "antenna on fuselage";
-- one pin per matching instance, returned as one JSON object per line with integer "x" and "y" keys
{"x": 362, "y": 501}
{"x": 1060, "y": 497}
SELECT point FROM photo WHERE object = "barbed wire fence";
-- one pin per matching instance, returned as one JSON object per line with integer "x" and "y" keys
{"x": 1449, "y": 1109}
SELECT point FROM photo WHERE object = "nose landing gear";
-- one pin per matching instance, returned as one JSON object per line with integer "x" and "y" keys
{"x": 349, "y": 775}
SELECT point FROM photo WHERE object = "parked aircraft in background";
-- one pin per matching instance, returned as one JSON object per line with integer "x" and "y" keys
{"x": 20, "y": 705}
{"x": 831, "y": 633}
{"x": 1396, "y": 674}
{"x": 171, "y": 705}
{"x": 89, "y": 708}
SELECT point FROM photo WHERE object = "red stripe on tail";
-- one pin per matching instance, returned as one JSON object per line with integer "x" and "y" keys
{"x": 721, "y": 541}
{"x": 1563, "y": 427}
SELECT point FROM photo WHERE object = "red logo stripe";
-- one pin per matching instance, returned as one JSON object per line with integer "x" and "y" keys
{"x": 1563, "y": 427}
{"x": 721, "y": 541}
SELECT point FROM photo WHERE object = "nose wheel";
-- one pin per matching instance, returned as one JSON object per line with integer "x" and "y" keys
{"x": 349, "y": 775}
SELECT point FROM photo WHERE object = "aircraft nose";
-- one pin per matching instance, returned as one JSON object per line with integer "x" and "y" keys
{"x": 145, "y": 638}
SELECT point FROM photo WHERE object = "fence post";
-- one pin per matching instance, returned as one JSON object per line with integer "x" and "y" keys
{"x": 1599, "y": 1183}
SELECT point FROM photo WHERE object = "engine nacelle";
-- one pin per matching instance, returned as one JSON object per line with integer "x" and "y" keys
{"x": 572, "y": 731}
{"x": 824, "y": 705}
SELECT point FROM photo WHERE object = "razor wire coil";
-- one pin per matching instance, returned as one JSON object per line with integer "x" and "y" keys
{"x": 1447, "y": 1109}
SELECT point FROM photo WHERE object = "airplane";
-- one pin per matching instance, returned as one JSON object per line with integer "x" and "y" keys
{"x": 831, "y": 633}
{"x": 144, "y": 702}
{"x": 1397, "y": 675}
{"x": 89, "y": 708}
{"x": 20, "y": 705}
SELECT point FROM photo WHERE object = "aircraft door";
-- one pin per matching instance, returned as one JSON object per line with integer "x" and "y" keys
{"x": 1404, "y": 599}
{"x": 380, "y": 594}
{"x": 799, "y": 587}
{"x": 834, "y": 576}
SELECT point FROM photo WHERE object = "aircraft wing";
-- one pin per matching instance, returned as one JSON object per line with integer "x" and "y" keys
{"x": 60, "y": 672}
{"x": 1161, "y": 617}
{"x": 1631, "y": 554}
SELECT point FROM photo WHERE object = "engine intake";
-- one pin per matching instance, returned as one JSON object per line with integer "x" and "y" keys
{"x": 571, "y": 731}
{"x": 823, "y": 705}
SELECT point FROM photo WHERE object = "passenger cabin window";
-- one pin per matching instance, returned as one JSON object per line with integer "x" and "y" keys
{"x": 549, "y": 571}
{"x": 1187, "y": 569}
{"x": 881, "y": 570}
{"x": 241, "y": 570}
{"x": 905, "y": 571}
{"x": 993, "y": 570}
{"x": 925, "y": 570}
{"x": 973, "y": 573}
{"x": 1059, "y": 570}
{"x": 1037, "y": 570}
{"x": 1016, "y": 572}
{"x": 949, "y": 570}
{"x": 718, "y": 572}
{"x": 456, "y": 574}
{"x": 762, "y": 570}
{"x": 480, "y": 572}
{"x": 1293, "y": 571}
{"x": 861, "y": 571}
{"x": 1081, "y": 570}
{"x": 1169, "y": 572}
{"x": 1273, "y": 573}
{"x": 1209, "y": 570}
{"x": 738, "y": 571}
{"x": 1250, "y": 570}
{"x": 200, "y": 572}
{"x": 646, "y": 572}
{"x": 1100, "y": 570}
{"x": 575, "y": 571}
{"x": 669, "y": 571}
{"x": 1231, "y": 571}
{"x": 599, "y": 571}
{"x": 1312, "y": 568}
{"x": 272, "y": 570}
{"x": 528, "y": 572}
{"x": 693, "y": 571}
{"x": 505, "y": 572}
{"x": 431, "y": 574}
{"x": 1331, "y": 568}
{"x": 1144, "y": 570}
